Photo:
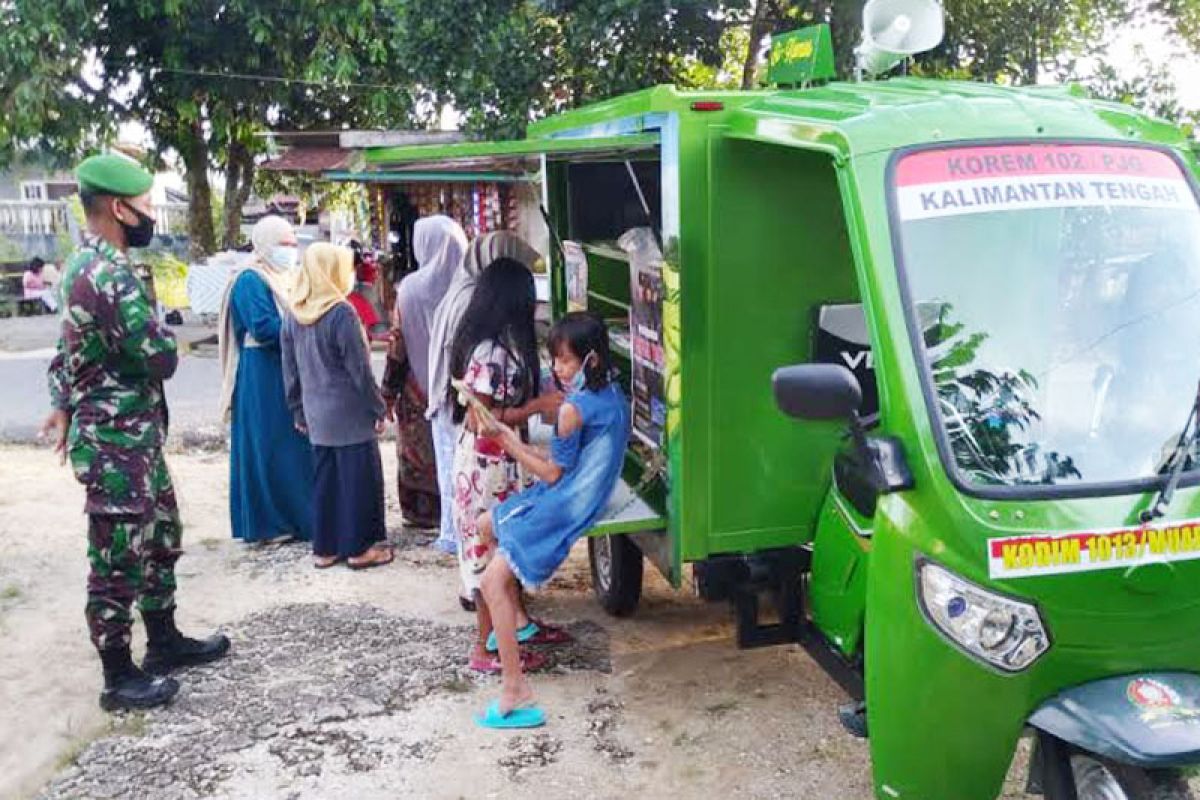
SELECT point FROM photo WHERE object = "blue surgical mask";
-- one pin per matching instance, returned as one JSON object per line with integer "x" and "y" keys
{"x": 579, "y": 379}
{"x": 284, "y": 256}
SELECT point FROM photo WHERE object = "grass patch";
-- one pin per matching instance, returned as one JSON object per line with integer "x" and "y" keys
{"x": 133, "y": 725}
{"x": 10, "y": 592}
{"x": 209, "y": 543}
{"x": 71, "y": 754}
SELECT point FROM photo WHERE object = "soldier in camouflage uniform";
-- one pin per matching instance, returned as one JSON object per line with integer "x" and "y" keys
{"x": 110, "y": 419}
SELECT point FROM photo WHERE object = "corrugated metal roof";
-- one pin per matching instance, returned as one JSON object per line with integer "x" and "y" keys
{"x": 311, "y": 160}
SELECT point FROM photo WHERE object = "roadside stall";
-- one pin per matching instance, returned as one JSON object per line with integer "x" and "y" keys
{"x": 983, "y": 517}
{"x": 481, "y": 194}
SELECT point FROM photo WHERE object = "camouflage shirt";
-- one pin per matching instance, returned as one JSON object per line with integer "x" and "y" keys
{"x": 113, "y": 355}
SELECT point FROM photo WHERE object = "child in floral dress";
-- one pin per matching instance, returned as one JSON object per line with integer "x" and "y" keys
{"x": 495, "y": 355}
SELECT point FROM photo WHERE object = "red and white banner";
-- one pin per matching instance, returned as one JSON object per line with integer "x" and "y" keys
{"x": 1088, "y": 551}
{"x": 972, "y": 180}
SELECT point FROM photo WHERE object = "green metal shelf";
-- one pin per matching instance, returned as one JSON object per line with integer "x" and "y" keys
{"x": 606, "y": 251}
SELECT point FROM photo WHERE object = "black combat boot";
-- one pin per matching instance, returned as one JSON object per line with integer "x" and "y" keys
{"x": 167, "y": 648}
{"x": 127, "y": 687}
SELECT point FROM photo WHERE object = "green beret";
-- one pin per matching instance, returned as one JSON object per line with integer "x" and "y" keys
{"x": 112, "y": 174}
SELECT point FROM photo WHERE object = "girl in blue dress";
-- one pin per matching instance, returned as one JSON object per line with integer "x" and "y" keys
{"x": 534, "y": 530}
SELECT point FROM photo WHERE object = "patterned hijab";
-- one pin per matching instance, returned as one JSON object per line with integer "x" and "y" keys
{"x": 481, "y": 253}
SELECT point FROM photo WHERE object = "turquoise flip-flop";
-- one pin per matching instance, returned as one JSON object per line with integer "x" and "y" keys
{"x": 523, "y": 635}
{"x": 523, "y": 717}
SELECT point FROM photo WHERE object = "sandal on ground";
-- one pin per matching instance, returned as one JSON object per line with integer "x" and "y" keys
{"x": 530, "y": 662}
{"x": 520, "y": 717}
{"x": 548, "y": 633}
{"x": 536, "y": 632}
{"x": 325, "y": 562}
{"x": 374, "y": 557}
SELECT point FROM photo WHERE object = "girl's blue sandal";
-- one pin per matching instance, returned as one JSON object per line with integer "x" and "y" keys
{"x": 523, "y": 635}
{"x": 536, "y": 632}
{"x": 523, "y": 717}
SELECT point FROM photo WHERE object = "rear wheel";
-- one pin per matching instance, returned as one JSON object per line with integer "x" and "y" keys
{"x": 616, "y": 573}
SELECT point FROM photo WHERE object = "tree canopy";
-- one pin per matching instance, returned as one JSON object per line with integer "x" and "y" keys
{"x": 206, "y": 76}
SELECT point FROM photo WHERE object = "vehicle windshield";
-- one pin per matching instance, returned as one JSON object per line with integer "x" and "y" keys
{"x": 1058, "y": 292}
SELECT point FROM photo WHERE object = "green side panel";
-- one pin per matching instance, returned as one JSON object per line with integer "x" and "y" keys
{"x": 837, "y": 590}
{"x": 780, "y": 250}
{"x": 686, "y": 330}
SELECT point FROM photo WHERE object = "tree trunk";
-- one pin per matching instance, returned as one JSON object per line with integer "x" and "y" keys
{"x": 1032, "y": 64}
{"x": 202, "y": 239}
{"x": 845, "y": 20}
{"x": 758, "y": 30}
{"x": 239, "y": 179}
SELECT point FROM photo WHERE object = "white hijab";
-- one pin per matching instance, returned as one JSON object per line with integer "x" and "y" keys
{"x": 438, "y": 245}
{"x": 480, "y": 254}
{"x": 267, "y": 233}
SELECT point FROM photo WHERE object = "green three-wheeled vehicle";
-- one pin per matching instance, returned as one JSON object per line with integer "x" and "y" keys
{"x": 916, "y": 361}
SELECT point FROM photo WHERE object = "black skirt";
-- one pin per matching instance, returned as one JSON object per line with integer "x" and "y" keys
{"x": 348, "y": 506}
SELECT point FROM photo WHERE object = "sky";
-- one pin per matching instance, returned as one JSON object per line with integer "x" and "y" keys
{"x": 1155, "y": 40}
{"x": 1151, "y": 38}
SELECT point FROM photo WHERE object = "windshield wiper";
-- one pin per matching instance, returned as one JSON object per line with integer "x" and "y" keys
{"x": 1179, "y": 456}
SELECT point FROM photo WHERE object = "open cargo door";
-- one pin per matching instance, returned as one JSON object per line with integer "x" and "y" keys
{"x": 631, "y": 510}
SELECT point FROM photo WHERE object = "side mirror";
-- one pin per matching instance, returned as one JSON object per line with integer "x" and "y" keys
{"x": 817, "y": 391}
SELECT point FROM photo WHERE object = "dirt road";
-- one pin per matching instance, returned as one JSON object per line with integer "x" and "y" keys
{"x": 352, "y": 685}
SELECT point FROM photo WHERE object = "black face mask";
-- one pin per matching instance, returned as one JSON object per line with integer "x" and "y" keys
{"x": 138, "y": 235}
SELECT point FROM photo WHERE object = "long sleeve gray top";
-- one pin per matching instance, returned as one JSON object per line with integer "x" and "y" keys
{"x": 327, "y": 376}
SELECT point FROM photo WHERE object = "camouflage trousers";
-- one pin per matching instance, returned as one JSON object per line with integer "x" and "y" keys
{"x": 132, "y": 557}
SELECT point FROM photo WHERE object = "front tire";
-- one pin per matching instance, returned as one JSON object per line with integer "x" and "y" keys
{"x": 616, "y": 564}
{"x": 1094, "y": 777}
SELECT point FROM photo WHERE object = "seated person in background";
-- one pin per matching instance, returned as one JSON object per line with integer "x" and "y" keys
{"x": 36, "y": 287}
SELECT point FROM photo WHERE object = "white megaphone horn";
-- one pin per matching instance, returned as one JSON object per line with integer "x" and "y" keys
{"x": 893, "y": 30}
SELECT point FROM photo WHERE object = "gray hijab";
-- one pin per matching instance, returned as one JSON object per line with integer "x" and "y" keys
{"x": 438, "y": 245}
{"x": 480, "y": 254}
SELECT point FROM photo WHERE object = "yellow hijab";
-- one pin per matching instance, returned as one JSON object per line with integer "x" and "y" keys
{"x": 325, "y": 280}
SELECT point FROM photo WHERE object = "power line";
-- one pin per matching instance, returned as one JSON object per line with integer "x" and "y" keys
{"x": 241, "y": 76}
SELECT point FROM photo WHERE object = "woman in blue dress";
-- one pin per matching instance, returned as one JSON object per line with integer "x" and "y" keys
{"x": 534, "y": 530}
{"x": 270, "y": 464}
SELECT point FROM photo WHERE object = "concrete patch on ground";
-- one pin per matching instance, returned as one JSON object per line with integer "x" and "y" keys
{"x": 311, "y": 691}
